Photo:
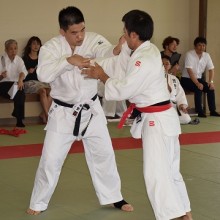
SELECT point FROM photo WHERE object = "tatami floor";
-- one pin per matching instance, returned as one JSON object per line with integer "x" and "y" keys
{"x": 75, "y": 199}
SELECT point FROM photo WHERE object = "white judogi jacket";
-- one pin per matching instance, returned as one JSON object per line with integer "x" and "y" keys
{"x": 139, "y": 82}
{"x": 67, "y": 83}
{"x": 178, "y": 97}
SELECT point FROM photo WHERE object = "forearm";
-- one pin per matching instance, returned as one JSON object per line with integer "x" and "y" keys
{"x": 21, "y": 77}
{"x": 117, "y": 49}
{"x": 211, "y": 76}
{"x": 193, "y": 77}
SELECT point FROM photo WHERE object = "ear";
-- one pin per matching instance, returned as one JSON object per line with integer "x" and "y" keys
{"x": 133, "y": 35}
{"x": 62, "y": 32}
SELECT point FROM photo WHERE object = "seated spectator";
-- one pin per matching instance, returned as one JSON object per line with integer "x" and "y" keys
{"x": 177, "y": 94}
{"x": 12, "y": 74}
{"x": 197, "y": 61}
{"x": 32, "y": 84}
{"x": 170, "y": 49}
{"x": 113, "y": 109}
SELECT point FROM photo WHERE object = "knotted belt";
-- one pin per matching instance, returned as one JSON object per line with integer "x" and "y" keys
{"x": 78, "y": 117}
{"x": 158, "y": 107}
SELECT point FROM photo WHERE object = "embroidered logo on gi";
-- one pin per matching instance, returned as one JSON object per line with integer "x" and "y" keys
{"x": 100, "y": 42}
{"x": 151, "y": 123}
{"x": 138, "y": 63}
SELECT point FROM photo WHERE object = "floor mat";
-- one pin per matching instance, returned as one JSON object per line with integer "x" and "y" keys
{"x": 32, "y": 150}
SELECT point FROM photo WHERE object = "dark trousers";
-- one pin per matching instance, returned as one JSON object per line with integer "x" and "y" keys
{"x": 188, "y": 84}
{"x": 18, "y": 99}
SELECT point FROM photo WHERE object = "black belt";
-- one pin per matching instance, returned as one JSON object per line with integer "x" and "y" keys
{"x": 78, "y": 118}
{"x": 161, "y": 103}
{"x": 58, "y": 102}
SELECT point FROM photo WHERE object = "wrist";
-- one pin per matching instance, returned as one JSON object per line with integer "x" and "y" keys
{"x": 117, "y": 50}
{"x": 103, "y": 78}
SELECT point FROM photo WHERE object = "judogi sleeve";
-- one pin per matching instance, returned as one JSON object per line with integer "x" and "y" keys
{"x": 135, "y": 79}
{"x": 115, "y": 67}
{"x": 51, "y": 62}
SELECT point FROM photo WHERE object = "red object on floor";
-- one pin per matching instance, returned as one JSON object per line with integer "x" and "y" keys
{"x": 31, "y": 150}
{"x": 14, "y": 132}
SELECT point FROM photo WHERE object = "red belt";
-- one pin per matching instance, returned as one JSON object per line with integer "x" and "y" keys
{"x": 148, "y": 109}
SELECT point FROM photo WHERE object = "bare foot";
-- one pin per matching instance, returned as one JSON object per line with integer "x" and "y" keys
{"x": 32, "y": 212}
{"x": 188, "y": 216}
{"x": 127, "y": 208}
{"x": 123, "y": 205}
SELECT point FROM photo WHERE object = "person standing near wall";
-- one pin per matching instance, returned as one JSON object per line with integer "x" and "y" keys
{"x": 76, "y": 113}
{"x": 145, "y": 86}
{"x": 12, "y": 74}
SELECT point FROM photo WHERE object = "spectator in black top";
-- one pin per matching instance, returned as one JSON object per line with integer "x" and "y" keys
{"x": 170, "y": 49}
{"x": 32, "y": 84}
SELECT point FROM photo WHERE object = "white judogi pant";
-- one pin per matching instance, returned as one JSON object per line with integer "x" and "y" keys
{"x": 161, "y": 155}
{"x": 99, "y": 156}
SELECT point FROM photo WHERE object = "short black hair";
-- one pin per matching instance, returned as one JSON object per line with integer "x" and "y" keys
{"x": 139, "y": 22}
{"x": 69, "y": 16}
{"x": 166, "y": 57}
{"x": 200, "y": 40}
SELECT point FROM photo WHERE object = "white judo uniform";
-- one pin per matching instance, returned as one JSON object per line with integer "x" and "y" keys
{"x": 69, "y": 86}
{"x": 178, "y": 97}
{"x": 144, "y": 84}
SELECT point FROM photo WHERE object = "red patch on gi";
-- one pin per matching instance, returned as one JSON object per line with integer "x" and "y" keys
{"x": 151, "y": 123}
{"x": 138, "y": 63}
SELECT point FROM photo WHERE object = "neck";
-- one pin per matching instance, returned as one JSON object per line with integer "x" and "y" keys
{"x": 33, "y": 54}
{"x": 168, "y": 52}
{"x": 199, "y": 54}
{"x": 12, "y": 58}
{"x": 72, "y": 48}
{"x": 136, "y": 45}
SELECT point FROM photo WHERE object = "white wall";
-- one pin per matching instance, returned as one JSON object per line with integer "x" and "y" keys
{"x": 178, "y": 18}
{"x": 28, "y": 17}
